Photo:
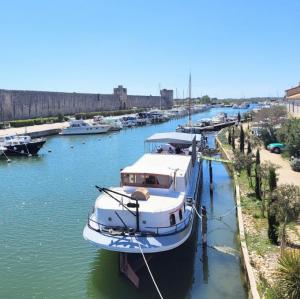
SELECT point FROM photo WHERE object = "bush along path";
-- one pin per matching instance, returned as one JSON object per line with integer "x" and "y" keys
{"x": 269, "y": 212}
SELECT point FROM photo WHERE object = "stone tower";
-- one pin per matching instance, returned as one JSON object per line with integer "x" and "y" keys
{"x": 121, "y": 94}
{"x": 167, "y": 98}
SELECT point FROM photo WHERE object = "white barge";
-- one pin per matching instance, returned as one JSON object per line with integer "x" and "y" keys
{"x": 154, "y": 208}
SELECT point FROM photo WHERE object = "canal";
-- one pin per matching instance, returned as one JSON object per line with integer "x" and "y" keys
{"x": 44, "y": 202}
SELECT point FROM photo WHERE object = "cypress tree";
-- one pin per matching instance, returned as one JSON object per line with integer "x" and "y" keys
{"x": 242, "y": 140}
{"x": 257, "y": 176}
{"x": 239, "y": 117}
{"x": 272, "y": 179}
{"x": 229, "y": 136}
{"x": 257, "y": 160}
{"x": 273, "y": 224}
{"x": 249, "y": 149}
{"x": 257, "y": 183}
{"x": 233, "y": 142}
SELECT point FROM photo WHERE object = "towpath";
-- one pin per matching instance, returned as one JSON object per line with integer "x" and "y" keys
{"x": 33, "y": 129}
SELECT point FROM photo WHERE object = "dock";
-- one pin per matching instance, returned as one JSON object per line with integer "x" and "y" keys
{"x": 198, "y": 129}
{"x": 36, "y": 131}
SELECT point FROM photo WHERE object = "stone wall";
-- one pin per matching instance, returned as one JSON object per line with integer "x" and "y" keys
{"x": 19, "y": 104}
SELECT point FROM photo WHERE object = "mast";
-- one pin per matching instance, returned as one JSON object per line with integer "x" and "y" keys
{"x": 159, "y": 90}
{"x": 190, "y": 98}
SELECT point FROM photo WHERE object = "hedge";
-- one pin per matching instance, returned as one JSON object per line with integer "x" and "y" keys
{"x": 59, "y": 118}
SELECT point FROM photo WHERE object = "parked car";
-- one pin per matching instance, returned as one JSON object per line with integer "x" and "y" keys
{"x": 295, "y": 161}
{"x": 276, "y": 147}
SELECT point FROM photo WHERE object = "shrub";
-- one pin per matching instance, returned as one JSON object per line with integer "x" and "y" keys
{"x": 22, "y": 123}
{"x": 60, "y": 117}
{"x": 289, "y": 274}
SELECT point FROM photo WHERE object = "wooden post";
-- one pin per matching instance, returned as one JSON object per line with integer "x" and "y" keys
{"x": 204, "y": 225}
{"x": 211, "y": 178}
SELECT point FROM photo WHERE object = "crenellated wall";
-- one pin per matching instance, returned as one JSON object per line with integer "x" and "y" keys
{"x": 23, "y": 104}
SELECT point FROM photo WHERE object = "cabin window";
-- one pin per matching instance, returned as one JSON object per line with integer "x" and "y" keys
{"x": 180, "y": 214}
{"x": 172, "y": 219}
{"x": 146, "y": 180}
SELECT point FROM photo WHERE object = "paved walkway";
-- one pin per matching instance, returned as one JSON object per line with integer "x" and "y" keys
{"x": 31, "y": 129}
{"x": 285, "y": 173}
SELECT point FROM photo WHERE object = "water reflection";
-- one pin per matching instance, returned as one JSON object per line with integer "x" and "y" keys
{"x": 173, "y": 271}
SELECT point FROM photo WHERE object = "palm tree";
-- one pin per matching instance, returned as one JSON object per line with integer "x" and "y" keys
{"x": 289, "y": 274}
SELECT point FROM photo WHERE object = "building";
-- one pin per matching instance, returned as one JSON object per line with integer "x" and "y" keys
{"x": 292, "y": 98}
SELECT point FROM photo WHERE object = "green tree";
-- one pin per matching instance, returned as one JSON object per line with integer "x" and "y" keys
{"x": 229, "y": 136}
{"x": 249, "y": 148}
{"x": 242, "y": 140}
{"x": 286, "y": 208}
{"x": 257, "y": 176}
{"x": 60, "y": 117}
{"x": 272, "y": 178}
{"x": 257, "y": 159}
{"x": 289, "y": 134}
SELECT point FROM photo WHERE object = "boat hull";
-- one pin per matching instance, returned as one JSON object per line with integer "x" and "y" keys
{"x": 31, "y": 148}
{"x": 84, "y": 131}
{"x": 132, "y": 244}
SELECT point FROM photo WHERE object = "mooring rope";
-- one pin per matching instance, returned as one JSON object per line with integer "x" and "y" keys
{"x": 160, "y": 295}
{"x": 197, "y": 212}
{"x": 224, "y": 215}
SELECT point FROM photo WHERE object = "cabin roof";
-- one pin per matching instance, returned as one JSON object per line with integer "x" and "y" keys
{"x": 163, "y": 164}
{"x": 174, "y": 138}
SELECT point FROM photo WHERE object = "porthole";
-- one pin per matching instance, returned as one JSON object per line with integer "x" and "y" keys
{"x": 172, "y": 219}
{"x": 144, "y": 221}
{"x": 180, "y": 214}
{"x": 109, "y": 219}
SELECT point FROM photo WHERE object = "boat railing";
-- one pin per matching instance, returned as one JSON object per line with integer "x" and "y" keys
{"x": 168, "y": 230}
{"x": 150, "y": 230}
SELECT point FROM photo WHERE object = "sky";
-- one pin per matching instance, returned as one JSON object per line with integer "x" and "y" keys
{"x": 232, "y": 48}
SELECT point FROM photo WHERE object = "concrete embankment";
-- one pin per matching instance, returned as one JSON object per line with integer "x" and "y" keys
{"x": 35, "y": 131}
{"x": 249, "y": 273}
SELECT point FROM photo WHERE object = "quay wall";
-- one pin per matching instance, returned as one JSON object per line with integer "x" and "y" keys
{"x": 24, "y": 104}
{"x": 245, "y": 258}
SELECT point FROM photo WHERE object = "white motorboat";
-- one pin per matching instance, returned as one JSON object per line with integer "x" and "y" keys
{"x": 82, "y": 127}
{"x": 114, "y": 123}
{"x": 154, "y": 208}
{"x": 129, "y": 121}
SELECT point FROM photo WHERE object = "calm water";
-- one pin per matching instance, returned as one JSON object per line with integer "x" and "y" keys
{"x": 44, "y": 203}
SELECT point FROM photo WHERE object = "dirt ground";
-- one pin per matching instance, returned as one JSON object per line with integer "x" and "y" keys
{"x": 285, "y": 173}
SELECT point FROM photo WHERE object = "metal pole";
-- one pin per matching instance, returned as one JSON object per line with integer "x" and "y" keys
{"x": 137, "y": 216}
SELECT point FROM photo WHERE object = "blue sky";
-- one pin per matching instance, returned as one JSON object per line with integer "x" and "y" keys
{"x": 232, "y": 48}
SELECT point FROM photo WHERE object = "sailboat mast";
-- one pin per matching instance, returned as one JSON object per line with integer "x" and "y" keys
{"x": 190, "y": 98}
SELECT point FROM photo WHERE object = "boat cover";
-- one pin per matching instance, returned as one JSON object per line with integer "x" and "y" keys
{"x": 174, "y": 138}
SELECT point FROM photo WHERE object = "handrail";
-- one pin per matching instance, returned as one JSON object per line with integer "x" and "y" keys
{"x": 177, "y": 230}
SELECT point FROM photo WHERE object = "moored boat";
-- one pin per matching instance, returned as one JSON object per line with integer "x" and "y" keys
{"x": 16, "y": 145}
{"x": 154, "y": 208}
{"x": 83, "y": 127}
